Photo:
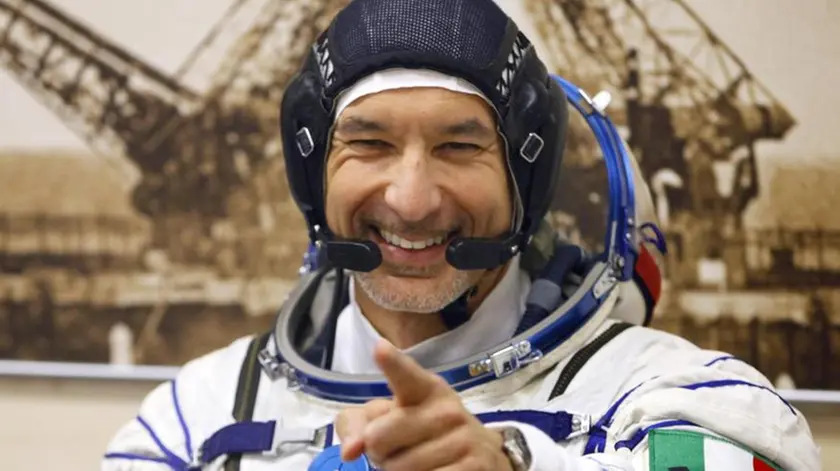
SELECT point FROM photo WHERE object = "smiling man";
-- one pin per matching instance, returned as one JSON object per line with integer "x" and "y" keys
{"x": 412, "y": 168}
{"x": 446, "y": 326}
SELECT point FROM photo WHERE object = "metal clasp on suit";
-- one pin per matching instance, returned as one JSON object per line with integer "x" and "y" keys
{"x": 507, "y": 360}
{"x": 290, "y": 440}
{"x": 581, "y": 424}
{"x": 604, "y": 283}
{"x": 276, "y": 369}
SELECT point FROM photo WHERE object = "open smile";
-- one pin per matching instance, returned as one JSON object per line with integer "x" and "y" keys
{"x": 400, "y": 249}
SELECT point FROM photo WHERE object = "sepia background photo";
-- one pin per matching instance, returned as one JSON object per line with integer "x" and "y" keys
{"x": 145, "y": 218}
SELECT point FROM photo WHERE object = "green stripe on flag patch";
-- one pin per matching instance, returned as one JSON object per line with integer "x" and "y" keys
{"x": 683, "y": 450}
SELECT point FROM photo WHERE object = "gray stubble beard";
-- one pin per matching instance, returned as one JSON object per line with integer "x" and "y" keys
{"x": 420, "y": 303}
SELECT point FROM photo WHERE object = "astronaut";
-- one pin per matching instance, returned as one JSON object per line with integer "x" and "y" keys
{"x": 441, "y": 323}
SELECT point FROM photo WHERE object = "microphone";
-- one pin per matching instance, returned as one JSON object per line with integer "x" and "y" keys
{"x": 481, "y": 254}
{"x": 355, "y": 255}
{"x": 462, "y": 253}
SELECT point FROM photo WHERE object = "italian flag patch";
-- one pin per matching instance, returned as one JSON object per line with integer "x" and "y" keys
{"x": 683, "y": 450}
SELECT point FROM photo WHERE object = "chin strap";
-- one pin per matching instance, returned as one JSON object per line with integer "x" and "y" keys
{"x": 456, "y": 313}
{"x": 546, "y": 293}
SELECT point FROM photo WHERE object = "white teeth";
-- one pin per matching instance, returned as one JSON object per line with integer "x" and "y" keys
{"x": 394, "y": 239}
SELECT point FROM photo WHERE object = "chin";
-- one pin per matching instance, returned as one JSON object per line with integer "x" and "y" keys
{"x": 410, "y": 294}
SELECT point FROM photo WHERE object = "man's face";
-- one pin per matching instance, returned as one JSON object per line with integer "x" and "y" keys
{"x": 410, "y": 170}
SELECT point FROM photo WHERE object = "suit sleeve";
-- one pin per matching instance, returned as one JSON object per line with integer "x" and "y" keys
{"x": 722, "y": 414}
{"x": 157, "y": 439}
{"x": 175, "y": 417}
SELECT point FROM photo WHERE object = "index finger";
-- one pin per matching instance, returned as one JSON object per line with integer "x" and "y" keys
{"x": 409, "y": 382}
{"x": 351, "y": 422}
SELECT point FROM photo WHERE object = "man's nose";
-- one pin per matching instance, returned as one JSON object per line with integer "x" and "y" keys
{"x": 412, "y": 192}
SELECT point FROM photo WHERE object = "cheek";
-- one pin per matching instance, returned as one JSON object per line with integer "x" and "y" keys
{"x": 346, "y": 187}
{"x": 487, "y": 196}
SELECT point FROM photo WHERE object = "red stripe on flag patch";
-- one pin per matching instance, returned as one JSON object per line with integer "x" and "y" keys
{"x": 759, "y": 465}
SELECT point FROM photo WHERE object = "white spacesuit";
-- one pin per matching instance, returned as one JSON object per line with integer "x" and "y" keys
{"x": 640, "y": 382}
{"x": 562, "y": 358}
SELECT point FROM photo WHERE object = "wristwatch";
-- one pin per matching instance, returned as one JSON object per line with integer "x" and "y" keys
{"x": 516, "y": 449}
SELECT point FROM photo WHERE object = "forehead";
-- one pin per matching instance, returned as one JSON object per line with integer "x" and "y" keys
{"x": 420, "y": 103}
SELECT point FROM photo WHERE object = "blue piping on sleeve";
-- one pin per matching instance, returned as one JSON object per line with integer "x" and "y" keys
{"x": 720, "y": 359}
{"x": 172, "y": 459}
{"x": 737, "y": 382}
{"x": 597, "y": 437}
{"x": 187, "y": 439}
{"x": 135, "y": 457}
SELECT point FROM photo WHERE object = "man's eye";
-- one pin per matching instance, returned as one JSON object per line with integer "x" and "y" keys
{"x": 370, "y": 143}
{"x": 460, "y": 146}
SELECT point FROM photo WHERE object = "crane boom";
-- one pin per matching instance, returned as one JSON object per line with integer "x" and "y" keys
{"x": 211, "y": 158}
{"x": 107, "y": 96}
{"x": 689, "y": 101}
{"x": 122, "y": 106}
{"x": 679, "y": 60}
{"x": 257, "y": 69}
{"x": 231, "y": 25}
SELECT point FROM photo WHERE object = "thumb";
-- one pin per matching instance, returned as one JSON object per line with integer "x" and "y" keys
{"x": 351, "y": 422}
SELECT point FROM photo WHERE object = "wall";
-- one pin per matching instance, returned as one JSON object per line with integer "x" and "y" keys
{"x": 65, "y": 424}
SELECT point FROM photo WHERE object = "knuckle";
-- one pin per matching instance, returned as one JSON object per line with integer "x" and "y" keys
{"x": 378, "y": 403}
{"x": 377, "y": 442}
{"x": 375, "y": 453}
{"x": 397, "y": 464}
{"x": 341, "y": 421}
{"x": 377, "y": 407}
{"x": 374, "y": 439}
{"x": 450, "y": 413}
{"x": 486, "y": 463}
{"x": 462, "y": 442}
{"x": 473, "y": 463}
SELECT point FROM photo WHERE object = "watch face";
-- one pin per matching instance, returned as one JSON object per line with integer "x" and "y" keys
{"x": 516, "y": 449}
{"x": 514, "y": 435}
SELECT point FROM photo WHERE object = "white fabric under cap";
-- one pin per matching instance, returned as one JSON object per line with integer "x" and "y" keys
{"x": 392, "y": 79}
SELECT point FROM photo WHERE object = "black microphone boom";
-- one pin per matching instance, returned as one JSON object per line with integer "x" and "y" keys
{"x": 481, "y": 254}
{"x": 462, "y": 253}
{"x": 355, "y": 255}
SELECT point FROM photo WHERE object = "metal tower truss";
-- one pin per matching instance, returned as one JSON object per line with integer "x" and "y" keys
{"x": 691, "y": 106}
{"x": 211, "y": 156}
{"x": 257, "y": 68}
{"x": 203, "y": 61}
{"x": 105, "y": 95}
{"x": 660, "y": 53}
